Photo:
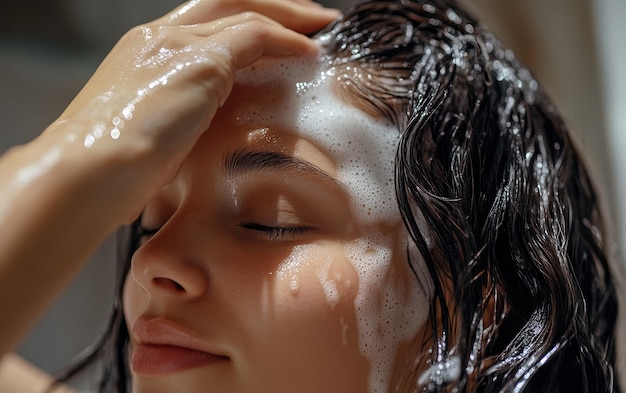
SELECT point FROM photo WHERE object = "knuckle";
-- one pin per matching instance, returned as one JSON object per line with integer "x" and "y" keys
{"x": 216, "y": 70}
{"x": 215, "y": 74}
{"x": 255, "y": 26}
{"x": 249, "y": 15}
{"x": 162, "y": 33}
{"x": 151, "y": 33}
{"x": 141, "y": 32}
{"x": 253, "y": 16}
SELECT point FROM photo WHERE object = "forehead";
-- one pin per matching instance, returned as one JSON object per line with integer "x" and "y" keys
{"x": 298, "y": 97}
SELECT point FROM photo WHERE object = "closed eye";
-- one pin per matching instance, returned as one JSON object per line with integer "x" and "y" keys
{"x": 277, "y": 232}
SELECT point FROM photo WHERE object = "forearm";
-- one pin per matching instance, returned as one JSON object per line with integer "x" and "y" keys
{"x": 51, "y": 220}
{"x": 19, "y": 376}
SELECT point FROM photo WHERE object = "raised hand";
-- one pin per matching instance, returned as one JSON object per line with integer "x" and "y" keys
{"x": 124, "y": 137}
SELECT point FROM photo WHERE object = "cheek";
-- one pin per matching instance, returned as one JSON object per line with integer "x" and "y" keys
{"x": 308, "y": 315}
{"x": 369, "y": 277}
{"x": 320, "y": 275}
{"x": 358, "y": 301}
{"x": 311, "y": 293}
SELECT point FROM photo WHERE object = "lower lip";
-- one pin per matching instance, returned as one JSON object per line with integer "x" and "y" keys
{"x": 166, "y": 359}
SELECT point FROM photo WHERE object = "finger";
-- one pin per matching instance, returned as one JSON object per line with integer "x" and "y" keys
{"x": 303, "y": 16}
{"x": 232, "y": 21}
{"x": 252, "y": 28}
{"x": 265, "y": 39}
{"x": 238, "y": 46}
{"x": 255, "y": 36}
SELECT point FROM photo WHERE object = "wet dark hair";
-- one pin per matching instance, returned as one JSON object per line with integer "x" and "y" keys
{"x": 495, "y": 198}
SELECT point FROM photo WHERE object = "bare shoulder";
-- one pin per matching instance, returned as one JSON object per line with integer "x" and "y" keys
{"x": 19, "y": 376}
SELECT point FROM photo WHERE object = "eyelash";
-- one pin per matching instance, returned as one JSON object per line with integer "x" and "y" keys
{"x": 278, "y": 233}
{"x": 272, "y": 233}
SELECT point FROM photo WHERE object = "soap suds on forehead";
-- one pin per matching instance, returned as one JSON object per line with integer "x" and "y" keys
{"x": 362, "y": 146}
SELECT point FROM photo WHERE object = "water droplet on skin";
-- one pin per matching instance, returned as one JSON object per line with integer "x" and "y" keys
{"x": 98, "y": 130}
{"x": 89, "y": 140}
{"x": 127, "y": 112}
{"x": 293, "y": 286}
{"x": 344, "y": 332}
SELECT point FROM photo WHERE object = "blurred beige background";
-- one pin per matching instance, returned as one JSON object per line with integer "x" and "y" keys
{"x": 49, "y": 48}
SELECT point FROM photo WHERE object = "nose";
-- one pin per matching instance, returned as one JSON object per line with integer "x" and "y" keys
{"x": 169, "y": 264}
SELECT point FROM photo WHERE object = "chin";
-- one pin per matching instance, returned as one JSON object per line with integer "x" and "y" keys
{"x": 199, "y": 380}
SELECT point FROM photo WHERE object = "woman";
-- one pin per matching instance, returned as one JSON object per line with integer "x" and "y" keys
{"x": 270, "y": 255}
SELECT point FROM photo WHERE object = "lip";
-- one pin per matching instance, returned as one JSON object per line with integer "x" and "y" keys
{"x": 162, "y": 347}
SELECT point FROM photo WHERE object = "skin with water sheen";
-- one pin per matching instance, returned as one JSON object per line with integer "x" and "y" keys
{"x": 273, "y": 263}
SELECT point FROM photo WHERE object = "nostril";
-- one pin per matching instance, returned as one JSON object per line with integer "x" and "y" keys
{"x": 167, "y": 283}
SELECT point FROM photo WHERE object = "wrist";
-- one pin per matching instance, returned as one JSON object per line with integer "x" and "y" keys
{"x": 56, "y": 169}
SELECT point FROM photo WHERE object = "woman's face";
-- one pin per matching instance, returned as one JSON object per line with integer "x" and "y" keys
{"x": 279, "y": 264}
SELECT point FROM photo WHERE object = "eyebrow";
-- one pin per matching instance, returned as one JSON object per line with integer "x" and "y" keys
{"x": 246, "y": 161}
